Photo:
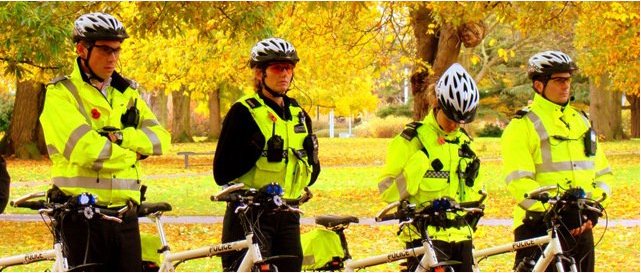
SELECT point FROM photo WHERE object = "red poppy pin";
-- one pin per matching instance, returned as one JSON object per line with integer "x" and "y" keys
{"x": 272, "y": 117}
{"x": 441, "y": 140}
{"x": 95, "y": 113}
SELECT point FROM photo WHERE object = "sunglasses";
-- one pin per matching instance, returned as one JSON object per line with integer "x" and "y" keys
{"x": 279, "y": 68}
{"x": 561, "y": 80}
{"x": 107, "y": 50}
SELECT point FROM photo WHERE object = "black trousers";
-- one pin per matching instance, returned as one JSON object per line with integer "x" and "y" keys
{"x": 446, "y": 251}
{"x": 277, "y": 233}
{"x": 580, "y": 248}
{"x": 110, "y": 246}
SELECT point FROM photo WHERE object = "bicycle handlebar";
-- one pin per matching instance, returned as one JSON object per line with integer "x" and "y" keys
{"x": 408, "y": 210}
{"x": 17, "y": 203}
{"x": 49, "y": 208}
{"x": 236, "y": 193}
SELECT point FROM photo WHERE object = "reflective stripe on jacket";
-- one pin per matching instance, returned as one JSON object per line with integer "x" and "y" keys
{"x": 84, "y": 161}
{"x": 409, "y": 174}
{"x": 545, "y": 147}
{"x": 293, "y": 172}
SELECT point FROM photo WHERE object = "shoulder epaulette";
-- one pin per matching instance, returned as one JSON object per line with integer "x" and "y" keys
{"x": 586, "y": 115}
{"x": 133, "y": 84}
{"x": 521, "y": 113}
{"x": 410, "y": 130}
{"x": 58, "y": 79}
{"x": 252, "y": 102}
{"x": 293, "y": 102}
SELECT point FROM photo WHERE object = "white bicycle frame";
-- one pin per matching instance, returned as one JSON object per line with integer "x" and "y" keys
{"x": 55, "y": 254}
{"x": 427, "y": 262}
{"x": 60, "y": 261}
{"x": 553, "y": 249}
{"x": 253, "y": 255}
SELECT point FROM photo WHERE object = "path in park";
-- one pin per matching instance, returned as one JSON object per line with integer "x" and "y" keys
{"x": 304, "y": 221}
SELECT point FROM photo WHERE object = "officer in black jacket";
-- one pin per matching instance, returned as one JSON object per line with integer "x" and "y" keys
{"x": 267, "y": 138}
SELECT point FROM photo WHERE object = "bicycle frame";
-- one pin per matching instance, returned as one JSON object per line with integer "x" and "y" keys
{"x": 552, "y": 250}
{"x": 252, "y": 256}
{"x": 427, "y": 261}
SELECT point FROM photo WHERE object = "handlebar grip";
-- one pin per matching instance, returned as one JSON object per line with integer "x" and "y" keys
{"x": 24, "y": 198}
{"x": 226, "y": 198}
{"x": 34, "y": 205}
{"x": 386, "y": 217}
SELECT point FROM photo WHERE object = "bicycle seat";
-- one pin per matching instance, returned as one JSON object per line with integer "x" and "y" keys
{"x": 148, "y": 208}
{"x": 331, "y": 221}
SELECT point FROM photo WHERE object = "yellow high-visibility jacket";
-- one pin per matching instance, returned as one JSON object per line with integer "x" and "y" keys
{"x": 409, "y": 174}
{"x": 83, "y": 161}
{"x": 543, "y": 147}
{"x": 293, "y": 172}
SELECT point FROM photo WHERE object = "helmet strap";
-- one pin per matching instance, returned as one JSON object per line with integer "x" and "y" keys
{"x": 271, "y": 91}
{"x": 92, "y": 75}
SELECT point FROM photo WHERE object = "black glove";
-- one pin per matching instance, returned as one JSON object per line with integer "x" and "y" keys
{"x": 131, "y": 118}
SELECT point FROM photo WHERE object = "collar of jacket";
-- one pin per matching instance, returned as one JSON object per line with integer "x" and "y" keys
{"x": 117, "y": 81}
{"x": 284, "y": 111}
{"x": 430, "y": 121}
{"x": 545, "y": 106}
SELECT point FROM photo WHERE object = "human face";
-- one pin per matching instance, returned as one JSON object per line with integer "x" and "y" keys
{"x": 446, "y": 124}
{"x": 278, "y": 76}
{"x": 103, "y": 59}
{"x": 558, "y": 88}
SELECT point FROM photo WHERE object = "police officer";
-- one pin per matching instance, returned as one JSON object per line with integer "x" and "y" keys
{"x": 433, "y": 159}
{"x": 552, "y": 143}
{"x": 267, "y": 137}
{"x": 97, "y": 129}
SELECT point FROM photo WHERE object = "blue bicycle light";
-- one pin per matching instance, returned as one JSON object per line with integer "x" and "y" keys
{"x": 86, "y": 199}
{"x": 274, "y": 189}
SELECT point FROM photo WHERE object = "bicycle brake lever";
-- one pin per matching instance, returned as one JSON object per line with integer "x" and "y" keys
{"x": 110, "y": 218}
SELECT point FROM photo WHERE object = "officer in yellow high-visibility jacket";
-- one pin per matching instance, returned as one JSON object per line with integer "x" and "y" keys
{"x": 551, "y": 143}
{"x": 97, "y": 129}
{"x": 267, "y": 137}
{"x": 433, "y": 159}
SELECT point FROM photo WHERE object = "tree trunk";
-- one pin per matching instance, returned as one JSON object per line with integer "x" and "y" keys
{"x": 181, "y": 127}
{"x": 214, "y": 114}
{"x": 24, "y": 137}
{"x": 438, "y": 50}
{"x": 159, "y": 106}
{"x": 634, "y": 115}
{"x": 605, "y": 110}
{"x": 426, "y": 45}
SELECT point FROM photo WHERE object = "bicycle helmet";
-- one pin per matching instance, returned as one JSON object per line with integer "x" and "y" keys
{"x": 549, "y": 62}
{"x": 272, "y": 50}
{"x": 98, "y": 26}
{"x": 457, "y": 94}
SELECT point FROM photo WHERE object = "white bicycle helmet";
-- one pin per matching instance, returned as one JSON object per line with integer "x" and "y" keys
{"x": 549, "y": 62}
{"x": 98, "y": 26}
{"x": 272, "y": 50}
{"x": 457, "y": 94}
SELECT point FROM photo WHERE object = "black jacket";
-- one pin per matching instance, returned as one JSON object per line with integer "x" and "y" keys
{"x": 241, "y": 141}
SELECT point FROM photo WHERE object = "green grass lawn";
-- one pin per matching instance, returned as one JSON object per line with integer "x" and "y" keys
{"x": 346, "y": 185}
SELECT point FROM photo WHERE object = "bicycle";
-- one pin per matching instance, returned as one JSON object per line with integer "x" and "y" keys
{"x": 82, "y": 204}
{"x": 407, "y": 215}
{"x": 247, "y": 199}
{"x": 553, "y": 250}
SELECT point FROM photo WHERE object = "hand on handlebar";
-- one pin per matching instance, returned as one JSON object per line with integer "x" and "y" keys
{"x": 587, "y": 225}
